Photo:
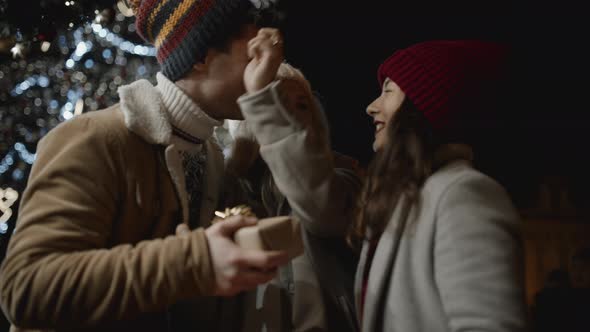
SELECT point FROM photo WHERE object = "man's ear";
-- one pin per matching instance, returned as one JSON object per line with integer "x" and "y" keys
{"x": 202, "y": 67}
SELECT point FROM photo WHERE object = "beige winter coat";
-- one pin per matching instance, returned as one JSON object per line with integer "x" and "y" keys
{"x": 93, "y": 247}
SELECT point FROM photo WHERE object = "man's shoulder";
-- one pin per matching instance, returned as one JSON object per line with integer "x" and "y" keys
{"x": 106, "y": 126}
{"x": 107, "y": 120}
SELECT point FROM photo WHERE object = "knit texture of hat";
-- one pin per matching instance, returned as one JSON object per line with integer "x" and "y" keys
{"x": 455, "y": 83}
{"x": 182, "y": 30}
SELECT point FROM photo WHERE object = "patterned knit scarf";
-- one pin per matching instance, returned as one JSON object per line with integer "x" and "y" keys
{"x": 193, "y": 164}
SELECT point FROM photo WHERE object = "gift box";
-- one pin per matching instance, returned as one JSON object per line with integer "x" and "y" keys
{"x": 278, "y": 233}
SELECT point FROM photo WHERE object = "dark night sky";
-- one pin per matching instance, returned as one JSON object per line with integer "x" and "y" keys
{"x": 340, "y": 44}
{"x": 339, "y": 47}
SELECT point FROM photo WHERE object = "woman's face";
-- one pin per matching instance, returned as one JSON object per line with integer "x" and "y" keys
{"x": 382, "y": 110}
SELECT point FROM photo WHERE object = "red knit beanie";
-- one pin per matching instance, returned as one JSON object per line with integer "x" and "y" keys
{"x": 455, "y": 83}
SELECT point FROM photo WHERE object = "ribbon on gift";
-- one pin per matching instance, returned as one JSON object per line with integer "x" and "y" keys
{"x": 240, "y": 210}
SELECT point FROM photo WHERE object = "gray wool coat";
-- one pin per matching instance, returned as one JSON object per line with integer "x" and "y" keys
{"x": 320, "y": 192}
{"x": 454, "y": 267}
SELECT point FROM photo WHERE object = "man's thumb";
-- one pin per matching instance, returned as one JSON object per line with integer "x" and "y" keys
{"x": 229, "y": 226}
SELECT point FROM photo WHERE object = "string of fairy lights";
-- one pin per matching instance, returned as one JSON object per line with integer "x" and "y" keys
{"x": 69, "y": 109}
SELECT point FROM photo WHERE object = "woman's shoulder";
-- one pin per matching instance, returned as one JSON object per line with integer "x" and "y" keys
{"x": 460, "y": 186}
{"x": 460, "y": 177}
{"x": 453, "y": 172}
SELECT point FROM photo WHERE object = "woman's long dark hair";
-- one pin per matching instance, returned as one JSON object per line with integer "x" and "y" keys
{"x": 396, "y": 174}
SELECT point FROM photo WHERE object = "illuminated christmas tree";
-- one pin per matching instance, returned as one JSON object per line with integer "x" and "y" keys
{"x": 58, "y": 59}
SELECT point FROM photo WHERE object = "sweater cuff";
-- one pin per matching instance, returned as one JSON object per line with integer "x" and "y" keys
{"x": 264, "y": 112}
{"x": 262, "y": 93}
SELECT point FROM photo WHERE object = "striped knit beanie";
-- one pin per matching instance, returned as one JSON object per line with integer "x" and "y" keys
{"x": 182, "y": 30}
{"x": 455, "y": 83}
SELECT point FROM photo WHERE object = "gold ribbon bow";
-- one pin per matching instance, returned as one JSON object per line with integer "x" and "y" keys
{"x": 240, "y": 210}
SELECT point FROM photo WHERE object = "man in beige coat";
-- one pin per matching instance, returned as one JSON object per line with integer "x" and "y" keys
{"x": 93, "y": 249}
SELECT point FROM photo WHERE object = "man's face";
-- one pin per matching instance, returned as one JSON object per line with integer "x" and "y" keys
{"x": 225, "y": 77}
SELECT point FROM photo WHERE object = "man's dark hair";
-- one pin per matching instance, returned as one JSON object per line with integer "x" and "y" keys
{"x": 271, "y": 16}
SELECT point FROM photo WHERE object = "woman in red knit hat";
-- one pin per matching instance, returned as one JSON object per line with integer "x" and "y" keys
{"x": 440, "y": 240}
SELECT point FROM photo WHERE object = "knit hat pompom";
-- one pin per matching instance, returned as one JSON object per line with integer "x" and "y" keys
{"x": 455, "y": 83}
{"x": 133, "y": 4}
